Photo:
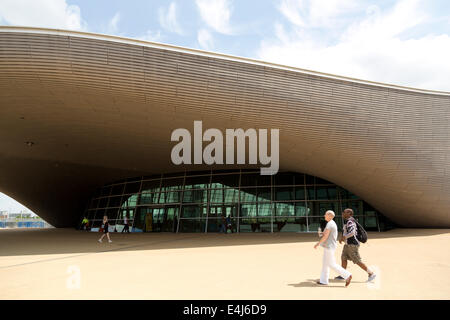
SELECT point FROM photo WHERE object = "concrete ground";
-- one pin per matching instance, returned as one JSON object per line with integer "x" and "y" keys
{"x": 70, "y": 264}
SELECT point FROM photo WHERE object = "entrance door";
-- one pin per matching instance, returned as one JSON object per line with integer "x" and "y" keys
{"x": 162, "y": 218}
{"x": 158, "y": 219}
{"x": 170, "y": 219}
{"x": 215, "y": 216}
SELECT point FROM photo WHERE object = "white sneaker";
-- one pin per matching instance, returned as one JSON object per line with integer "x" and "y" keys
{"x": 109, "y": 241}
{"x": 99, "y": 240}
{"x": 371, "y": 277}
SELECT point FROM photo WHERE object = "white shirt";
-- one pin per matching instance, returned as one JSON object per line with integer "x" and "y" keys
{"x": 331, "y": 243}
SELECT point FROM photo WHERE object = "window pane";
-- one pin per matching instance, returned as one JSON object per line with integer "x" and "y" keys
{"x": 197, "y": 182}
{"x": 94, "y": 204}
{"x": 225, "y": 181}
{"x": 264, "y": 209}
{"x": 131, "y": 201}
{"x": 151, "y": 186}
{"x": 310, "y": 193}
{"x": 132, "y": 187}
{"x": 285, "y": 209}
{"x": 192, "y": 225}
{"x": 263, "y": 180}
{"x": 249, "y": 179}
{"x": 231, "y": 195}
{"x": 114, "y": 201}
{"x": 193, "y": 211}
{"x": 216, "y": 195}
{"x": 117, "y": 189}
{"x": 315, "y": 222}
{"x": 285, "y": 224}
{"x": 173, "y": 184}
{"x": 326, "y": 193}
{"x": 299, "y": 178}
{"x": 103, "y": 202}
{"x": 248, "y": 195}
{"x": 284, "y": 178}
{"x": 149, "y": 198}
{"x": 309, "y": 179}
{"x": 301, "y": 209}
{"x": 195, "y": 196}
{"x": 248, "y": 210}
{"x": 300, "y": 193}
{"x": 255, "y": 224}
{"x": 264, "y": 194}
{"x": 169, "y": 197}
{"x": 284, "y": 193}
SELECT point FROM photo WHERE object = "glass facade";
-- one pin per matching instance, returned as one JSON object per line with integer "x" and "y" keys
{"x": 202, "y": 201}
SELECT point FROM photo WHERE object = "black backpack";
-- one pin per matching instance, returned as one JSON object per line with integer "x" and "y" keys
{"x": 361, "y": 234}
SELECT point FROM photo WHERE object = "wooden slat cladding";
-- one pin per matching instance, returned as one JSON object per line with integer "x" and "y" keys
{"x": 98, "y": 102}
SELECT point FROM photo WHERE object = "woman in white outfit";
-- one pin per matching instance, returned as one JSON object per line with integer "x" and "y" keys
{"x": 328, "y": 242}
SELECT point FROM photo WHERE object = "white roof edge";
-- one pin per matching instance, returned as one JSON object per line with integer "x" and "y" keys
{"x": 98, "y": 36}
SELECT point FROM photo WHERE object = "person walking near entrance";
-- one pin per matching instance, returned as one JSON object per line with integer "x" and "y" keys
{"x": 105, "y": 230}
{"x": 351, "y": 246}
{"x": 328, "y": 242}
{"x": 85, "y": 224}
{"x": 229, "y": 224}
{"x": 223, "y": 225}
{"x": 125, "y": 222}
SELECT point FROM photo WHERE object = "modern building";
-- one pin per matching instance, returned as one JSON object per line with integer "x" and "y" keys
{"x": 86, "y": 121}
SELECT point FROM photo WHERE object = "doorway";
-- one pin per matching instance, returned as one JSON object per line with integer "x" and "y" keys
{"x": 162, "y": 219}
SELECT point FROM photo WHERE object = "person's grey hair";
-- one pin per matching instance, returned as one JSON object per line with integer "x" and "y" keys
{"x": 331, "y": 213}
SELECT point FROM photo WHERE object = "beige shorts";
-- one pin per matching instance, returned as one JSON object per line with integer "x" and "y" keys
{"x": 351, "y": 252}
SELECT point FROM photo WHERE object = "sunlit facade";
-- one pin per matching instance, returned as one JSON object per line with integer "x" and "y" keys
{"x": 81, "y": 111}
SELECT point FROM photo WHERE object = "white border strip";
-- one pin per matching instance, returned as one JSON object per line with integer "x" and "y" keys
{"x": 97, "y": 36}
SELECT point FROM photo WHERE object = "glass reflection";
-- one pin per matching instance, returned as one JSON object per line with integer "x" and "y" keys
{"x": 202, "y": 201}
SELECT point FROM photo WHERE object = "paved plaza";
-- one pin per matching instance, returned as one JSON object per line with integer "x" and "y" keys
{"x": 71, "y": 264}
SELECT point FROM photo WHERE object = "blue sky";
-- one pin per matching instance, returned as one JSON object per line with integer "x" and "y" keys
{"x": 404, "y": 42}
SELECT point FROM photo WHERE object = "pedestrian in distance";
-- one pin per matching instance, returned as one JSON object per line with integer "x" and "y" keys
{"x": 223, "y": 225}
{"x": 329, "y": 241}
{"x": 229, "y": 224}
{"x": 126, "y": 227}
{"x": 351, "y": 246}
{"x": 85, "y": 224}
{"x": 105, "y": 226}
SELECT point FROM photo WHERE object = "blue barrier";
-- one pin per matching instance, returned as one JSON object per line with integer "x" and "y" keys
{"x": 23, "y": 224}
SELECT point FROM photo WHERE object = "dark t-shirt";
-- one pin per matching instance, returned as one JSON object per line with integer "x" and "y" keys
{"x": 106, "y": 227}
{"x": 350, "y": 226}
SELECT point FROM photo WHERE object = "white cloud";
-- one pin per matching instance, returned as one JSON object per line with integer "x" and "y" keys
{"x": 152, "y": 36}
{"x": 45, "y": 13}
{"x": 314, "y": 13}
{"x": 216, "y": 14}
{"x": 112, "y": 25}
{"x": 291, "y": 9}
{"x": 373, "y": 48}
{"x": 168, "y": 19}
{"x": 205, "y": 39}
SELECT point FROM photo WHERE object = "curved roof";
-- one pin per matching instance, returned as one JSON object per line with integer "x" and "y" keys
{"x": 100, "y": 108}
{"x": 211, "y": 54}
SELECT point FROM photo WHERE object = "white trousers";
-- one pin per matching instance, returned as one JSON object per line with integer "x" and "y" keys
{"x": 330, "y": 262}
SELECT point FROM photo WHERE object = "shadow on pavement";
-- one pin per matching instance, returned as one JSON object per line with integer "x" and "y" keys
{"x": 310, "y": 283}
{"x": 14, "y": 242}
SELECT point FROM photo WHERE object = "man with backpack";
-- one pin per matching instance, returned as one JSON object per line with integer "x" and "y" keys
{"x": 353, "y": 234}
